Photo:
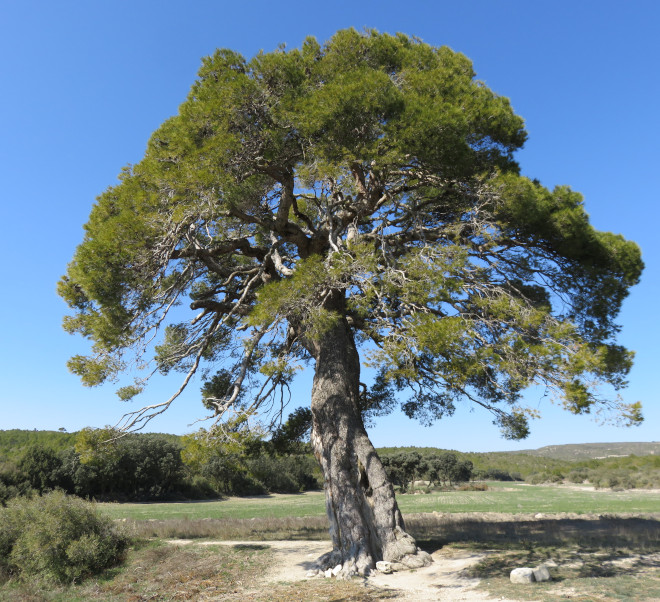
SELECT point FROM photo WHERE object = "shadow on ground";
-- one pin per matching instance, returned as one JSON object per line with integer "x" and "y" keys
{"x": 636, "y": 533}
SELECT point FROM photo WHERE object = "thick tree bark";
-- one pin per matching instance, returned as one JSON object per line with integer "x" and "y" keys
{"x": 365, "y": 522}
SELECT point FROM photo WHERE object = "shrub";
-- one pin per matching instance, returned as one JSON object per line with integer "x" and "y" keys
{"x": 495, "y": 474}
{"x": 474, "y": 487}
{"x": 577, "y": 476}
{"x": 58, "y": 538}
{"x": 199, "y": 488}
{"x": 244, "y": 483}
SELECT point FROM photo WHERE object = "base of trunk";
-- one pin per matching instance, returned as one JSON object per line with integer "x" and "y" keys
{"x": 359, "y": 562}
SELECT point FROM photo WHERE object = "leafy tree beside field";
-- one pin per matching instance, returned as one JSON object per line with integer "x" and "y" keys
{"x": 150, "y": 467}
{"x": 358, "y": 199}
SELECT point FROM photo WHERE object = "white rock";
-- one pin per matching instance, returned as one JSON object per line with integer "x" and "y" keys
{"x": 541, "y": 573}
{"x": 384, "y": 567}
{"x": 328, "y": 573}
{"x": 539, "y": 515}
{"x": 336, "y": 570}
{"x": 523, "y": 575}
{"x": 311, "y": 574}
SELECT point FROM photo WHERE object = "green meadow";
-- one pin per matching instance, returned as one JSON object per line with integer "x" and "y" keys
{"x": 509, "y": 498}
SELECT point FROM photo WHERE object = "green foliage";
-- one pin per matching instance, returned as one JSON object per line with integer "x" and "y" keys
{"x": 370, "y": 182}
{"x": 14, "y": 443}
{"x": 151, "y": 466}
{"x": 293, "y": 436}
{"x": 627, "y": 472}
{"x": 145, "y": 466}
{"x": 245, "y": 465}
{"x": 286, "y": 474}
{"x": 41, "y": 467}
{"x": 58, "y": 538}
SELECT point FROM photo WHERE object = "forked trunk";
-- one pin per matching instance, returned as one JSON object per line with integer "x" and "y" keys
{"x": 365, "y": 522}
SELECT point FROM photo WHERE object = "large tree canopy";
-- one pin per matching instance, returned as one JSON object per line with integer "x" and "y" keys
{"x": 360, "y": 196}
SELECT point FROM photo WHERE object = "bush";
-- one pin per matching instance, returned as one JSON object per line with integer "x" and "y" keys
{"x": 244, "y": 483}
{"x": 199, "y": 488}
{"x": 495, "y": 474}
{"x": 474, "y": 487}
{"x": 577, "y": 476}
{"x": 57, "y": 538}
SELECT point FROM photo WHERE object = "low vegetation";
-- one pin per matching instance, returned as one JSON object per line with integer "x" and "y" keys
{"x": 159, "y": 572}
{"x": 302, "y": 516}
{"x": 56, "y": 538}
{"x": 619, "y": 473}
{"x": 591, "y": 557}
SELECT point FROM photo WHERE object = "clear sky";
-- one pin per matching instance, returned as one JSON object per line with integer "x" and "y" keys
{"x": 83, "y": 85}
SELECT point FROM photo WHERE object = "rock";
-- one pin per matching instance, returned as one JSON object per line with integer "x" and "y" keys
{"x": 539, "y": 515}
{"x": 542, "y": 573}
{"x": 416, "y": 561}
{"x": 523, "y": 575}
{"x": 384, "y": 567}
{"x": 328, "y": 573}
{"x": 336, "y": 570}
{"x": 313, "y": 573}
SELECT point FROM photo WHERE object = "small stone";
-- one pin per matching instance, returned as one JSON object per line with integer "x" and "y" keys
{"x": 384, "y": 567}
{"x": 311, "y": 574}
{"x": 336, "y": 570}
{"x": 541, "y": 573}
{"x": 539, "y": 515}
{"x": 328, "y": 573}
{"x": 522, "y": 575}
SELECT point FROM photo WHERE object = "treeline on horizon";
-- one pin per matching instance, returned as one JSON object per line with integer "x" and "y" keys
{"x": 619, "y": 472}
{"x": 146, "y": 467}
{"x": 150, "y": 466}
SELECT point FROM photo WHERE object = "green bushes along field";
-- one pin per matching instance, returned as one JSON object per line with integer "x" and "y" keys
{"x": 149, "y": 467}
{"x": 158, "y": 467}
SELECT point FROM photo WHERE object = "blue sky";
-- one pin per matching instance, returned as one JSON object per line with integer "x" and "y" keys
{"x": 83, "y": 85}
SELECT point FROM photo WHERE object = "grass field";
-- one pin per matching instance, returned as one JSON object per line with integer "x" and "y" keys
{"x": 600, "y": 552}
{"x": 508, "y": 498}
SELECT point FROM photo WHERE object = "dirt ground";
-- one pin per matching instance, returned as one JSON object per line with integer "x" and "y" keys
{"x": 442, "y": 580}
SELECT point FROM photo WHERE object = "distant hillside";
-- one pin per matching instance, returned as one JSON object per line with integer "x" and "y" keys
{"x": 13, "y": 443}
{"x": 550, "y": 460}
{"x": 590, "y": 451}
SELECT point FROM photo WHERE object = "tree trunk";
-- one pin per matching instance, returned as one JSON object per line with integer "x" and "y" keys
{"x": 365, "y": 522}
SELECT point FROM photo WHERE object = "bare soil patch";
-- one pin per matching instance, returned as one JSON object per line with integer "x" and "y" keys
{"x": 444, "y": 579}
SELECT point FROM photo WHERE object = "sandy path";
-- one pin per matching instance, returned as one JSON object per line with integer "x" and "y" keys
{"x": 442, "y": 580}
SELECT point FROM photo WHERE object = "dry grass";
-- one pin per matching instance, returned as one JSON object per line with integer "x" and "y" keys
{"x": 158, "y": 572}
{"x": 257, "y": 529}
{"x": 432, "y": 530}
{"x": 598, "y": 559}
{"x": 161, "y": 572}
{"x": 597, "y": 575}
